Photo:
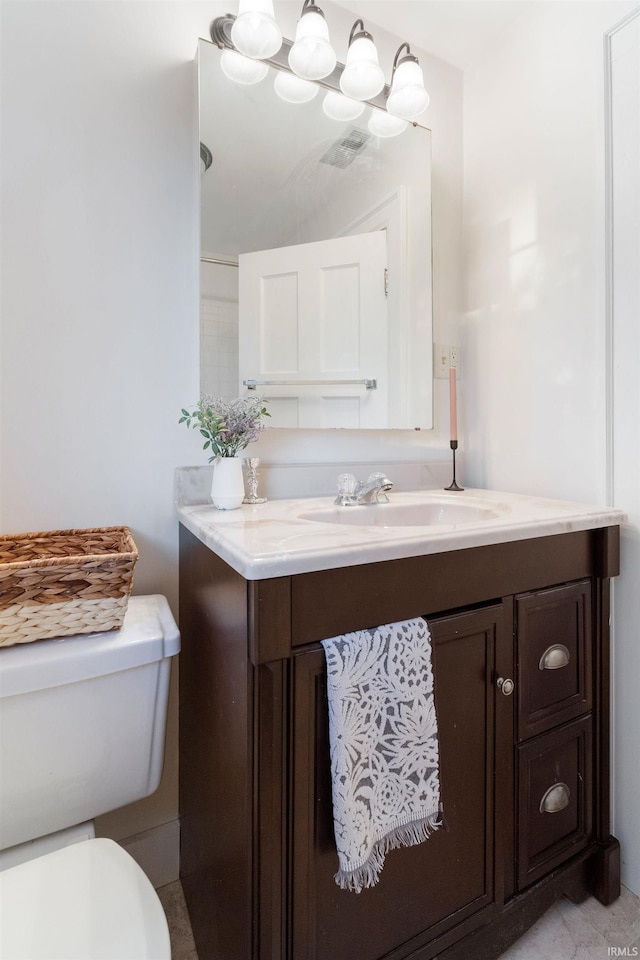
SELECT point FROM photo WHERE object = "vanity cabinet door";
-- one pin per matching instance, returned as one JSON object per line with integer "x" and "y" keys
{"x": 423, "y": 891}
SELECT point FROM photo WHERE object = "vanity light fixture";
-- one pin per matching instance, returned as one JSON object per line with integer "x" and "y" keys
{"x": 251, "y": 41}
{"x": 362, "y": 77}
{"x": 407, "y": 97}
{"x": 382, "y": 124}
{"x": 242, "y": 69}
{"x": 339, "y": 107}
{"x": 312, "y": 57}
{"x": 293, "y": 89}
{"x": 255, "y": 32}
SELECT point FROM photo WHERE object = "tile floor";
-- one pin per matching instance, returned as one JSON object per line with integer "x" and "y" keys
{"x": 566, "y": 932}
{"x": 182, "y": 945}
{"x": 584, "y": 932}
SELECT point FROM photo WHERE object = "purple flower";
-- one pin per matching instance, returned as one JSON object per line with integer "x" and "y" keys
{"x": 227, "y": 425}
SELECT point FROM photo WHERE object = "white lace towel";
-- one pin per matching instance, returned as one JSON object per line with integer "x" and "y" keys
{"x": 384, "y": 746}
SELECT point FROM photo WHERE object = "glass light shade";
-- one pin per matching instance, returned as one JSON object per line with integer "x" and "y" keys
{"x": 382, "y": 124}
{"x": 242, "y": 69}
{"x": 293, "y": 89}
{"x": 339, "y": 107}
{"x": 312, "y": 57}
{"x": 255, "y": 32}
{"x": 407, "y": 97}
{"x": 362, "y": 77}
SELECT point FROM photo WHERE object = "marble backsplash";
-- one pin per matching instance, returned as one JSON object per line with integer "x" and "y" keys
{"x": 279, "y": 481}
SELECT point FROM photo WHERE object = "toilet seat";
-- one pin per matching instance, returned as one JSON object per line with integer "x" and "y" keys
{"x": 88, "y": 901}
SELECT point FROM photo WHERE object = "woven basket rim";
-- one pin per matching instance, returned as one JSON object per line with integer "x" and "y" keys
{"x": 130, "y": 554}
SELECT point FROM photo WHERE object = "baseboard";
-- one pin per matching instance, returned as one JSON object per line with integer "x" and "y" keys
{"x": 157, "y": 851}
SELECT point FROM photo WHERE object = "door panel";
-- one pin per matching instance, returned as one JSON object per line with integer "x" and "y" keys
{"x": 429, "y": 887}
{"x": 278, "y": 332}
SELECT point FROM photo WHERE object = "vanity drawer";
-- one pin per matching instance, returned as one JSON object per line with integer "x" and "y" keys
{"x": 554, "y": 797}
{"x": 554, "y": 656}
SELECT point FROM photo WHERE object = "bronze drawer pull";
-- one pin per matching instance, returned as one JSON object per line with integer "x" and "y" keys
{"x": 554, "y": 657}
{"x": 555, "y": 799}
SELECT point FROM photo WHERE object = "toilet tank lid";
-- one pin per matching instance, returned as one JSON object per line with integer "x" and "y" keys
{"x": 148, "y": 634}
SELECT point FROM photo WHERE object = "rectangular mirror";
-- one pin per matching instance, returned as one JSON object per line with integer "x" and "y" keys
{"x": 315, "y": 258}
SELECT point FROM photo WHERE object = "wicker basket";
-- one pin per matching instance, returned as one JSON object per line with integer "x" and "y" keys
{"x": 63, "y": 582}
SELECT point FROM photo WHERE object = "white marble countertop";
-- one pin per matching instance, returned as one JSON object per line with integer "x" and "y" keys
{"x": 273, "y": 539}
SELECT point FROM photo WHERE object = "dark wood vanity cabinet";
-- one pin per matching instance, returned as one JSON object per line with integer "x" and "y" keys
{"x": 520, "y": 657}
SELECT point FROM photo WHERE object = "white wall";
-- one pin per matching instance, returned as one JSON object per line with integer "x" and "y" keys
{"x": 535, "y": 331}
{"x": 99, "y": 335}
{"x": 534, "y": 312}
{"x": 99, "y": 281}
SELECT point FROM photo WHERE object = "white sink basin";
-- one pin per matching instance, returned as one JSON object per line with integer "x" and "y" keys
{"x": 436, "y": 511}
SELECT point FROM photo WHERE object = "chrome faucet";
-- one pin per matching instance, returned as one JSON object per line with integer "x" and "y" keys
{"x": 352, "y": 492}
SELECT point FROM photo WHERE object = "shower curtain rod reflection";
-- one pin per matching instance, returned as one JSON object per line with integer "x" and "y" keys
{"x": 220, "y": 263}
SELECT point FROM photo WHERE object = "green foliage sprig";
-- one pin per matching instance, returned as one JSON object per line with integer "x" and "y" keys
{"x": 227, "y": 425}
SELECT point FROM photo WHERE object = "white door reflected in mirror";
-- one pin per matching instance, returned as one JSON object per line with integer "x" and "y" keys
{"x": 313, "y": 331}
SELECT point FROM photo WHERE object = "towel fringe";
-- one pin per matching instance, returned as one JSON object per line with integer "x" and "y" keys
{"x": 405, "y": 835}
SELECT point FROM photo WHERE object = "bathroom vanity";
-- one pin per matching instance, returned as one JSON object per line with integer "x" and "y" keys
{"x": 516, "y": 594}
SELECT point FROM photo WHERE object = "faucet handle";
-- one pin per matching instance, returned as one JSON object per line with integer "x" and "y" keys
{"x": 347, "y": 484}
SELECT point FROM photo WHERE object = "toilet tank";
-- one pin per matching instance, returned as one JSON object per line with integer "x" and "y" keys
{"x": 82, "y": 722}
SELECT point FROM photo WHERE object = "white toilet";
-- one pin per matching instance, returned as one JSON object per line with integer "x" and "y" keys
{"x": 82, "y": 729}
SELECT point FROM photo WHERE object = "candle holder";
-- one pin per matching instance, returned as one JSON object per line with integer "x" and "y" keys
{"x": 252, "y": 464}
{"x": 453, "y": 485}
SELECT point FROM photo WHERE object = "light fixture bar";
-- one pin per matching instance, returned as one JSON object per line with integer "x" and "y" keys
{"x": 220, "y": 31}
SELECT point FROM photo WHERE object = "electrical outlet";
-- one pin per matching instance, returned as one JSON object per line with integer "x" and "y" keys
{"x": 441, "y": 360}
{"x": 445, "y": 356}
